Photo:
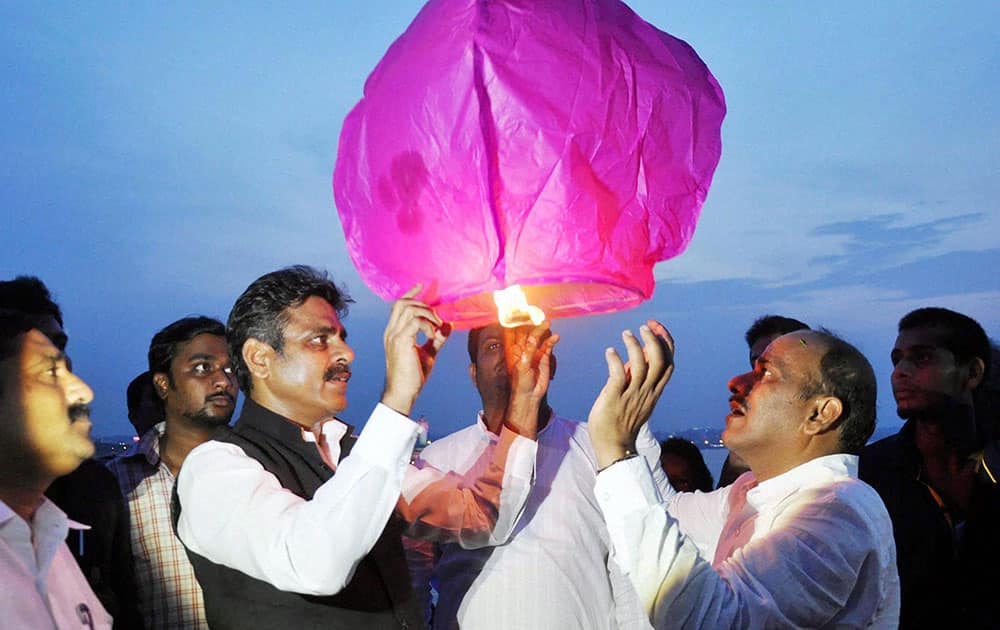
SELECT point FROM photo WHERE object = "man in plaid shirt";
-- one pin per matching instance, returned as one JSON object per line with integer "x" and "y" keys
{"x": 189, "y": 364}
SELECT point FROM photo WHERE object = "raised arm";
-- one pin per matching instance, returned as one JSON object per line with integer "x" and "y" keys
{"x": 442, "y": 506}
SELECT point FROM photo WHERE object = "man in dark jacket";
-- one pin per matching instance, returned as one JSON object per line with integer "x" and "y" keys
{"x": 940, "y": 490}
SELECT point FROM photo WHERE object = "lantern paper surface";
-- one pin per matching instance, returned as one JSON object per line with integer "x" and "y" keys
{"x": 566, "y": 146}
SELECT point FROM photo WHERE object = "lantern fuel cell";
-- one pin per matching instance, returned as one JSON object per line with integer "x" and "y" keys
{"x": 513, "y": 309}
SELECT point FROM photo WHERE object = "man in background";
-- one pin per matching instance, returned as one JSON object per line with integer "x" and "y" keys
{"x": 195, "y": 390}
{"x": 941, "y": 493}
{"x": 555, "y": 572}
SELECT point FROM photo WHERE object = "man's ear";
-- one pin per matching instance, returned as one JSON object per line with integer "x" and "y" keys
{"x": 472, "y": 373}
{"x": 160, "y": 385}
{"x": 258, "y": 356}
{"x": 976, "y": 371}
{"x": 825, "y": 415}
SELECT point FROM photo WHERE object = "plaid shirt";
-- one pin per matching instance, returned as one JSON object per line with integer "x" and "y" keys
{"x": 169, "y": 594}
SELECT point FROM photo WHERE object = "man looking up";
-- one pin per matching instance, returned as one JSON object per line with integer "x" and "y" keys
{"x": 555, "y": 569}
{"x": 759, "y": 336}
{"x": 798, "y": 541}
{"x": 276, "y": 538}
{"x": 44, "y": 434}
{"x": 196, "y": 390}
{"x": 944, "y": 504}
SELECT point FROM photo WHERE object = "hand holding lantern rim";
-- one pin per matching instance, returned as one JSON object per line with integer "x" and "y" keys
{"x": 408, "y": 365}
{"x": 530, "y": 373}
{"x": 631, "y": 392}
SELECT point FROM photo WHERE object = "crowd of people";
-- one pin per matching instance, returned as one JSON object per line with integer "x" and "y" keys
{"x": 524, "y": 519}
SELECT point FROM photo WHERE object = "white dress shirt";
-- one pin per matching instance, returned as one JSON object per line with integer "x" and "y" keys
{"x": 810, "y": 548}
{"x": 555, "y": 572}
{"x": 238, "y": 515}
{"x": 41, "y": 586}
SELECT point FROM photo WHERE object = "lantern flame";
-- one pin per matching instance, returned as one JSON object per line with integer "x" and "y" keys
{"x": 513, "y": 309}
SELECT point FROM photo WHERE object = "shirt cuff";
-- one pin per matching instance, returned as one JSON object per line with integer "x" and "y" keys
{"x": 388, "y": 435}
{"x": 517, "y": 454}
{"x": 626, "y": 486}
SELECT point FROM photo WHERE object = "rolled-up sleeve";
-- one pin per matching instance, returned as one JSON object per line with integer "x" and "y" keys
{"x": 444, "y": 507}
{"x": 236, "y": 514}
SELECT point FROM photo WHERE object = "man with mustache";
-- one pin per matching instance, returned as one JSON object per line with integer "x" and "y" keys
{"x": 797, "y": 542}
{"x": 941, "y": 493}
{"x": 283, "y": 527}
{"x": 196, "y": 390}
{"x": 89, "y": 494}
{"x": 44, "y": 434}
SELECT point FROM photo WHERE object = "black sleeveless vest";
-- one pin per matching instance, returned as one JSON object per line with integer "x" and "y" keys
{"x": 378, "y": 596}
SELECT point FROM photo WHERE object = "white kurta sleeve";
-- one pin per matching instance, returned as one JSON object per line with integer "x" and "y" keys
{"x": 444, "y": 507}
{"x": 801, "y": 574}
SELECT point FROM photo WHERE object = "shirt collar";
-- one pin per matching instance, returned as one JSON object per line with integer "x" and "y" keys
{"x": 819, "y": 471}
{"x": 283, "y": 428}
{"x": 148, "y": 446}
{"x": 47, "y": 516}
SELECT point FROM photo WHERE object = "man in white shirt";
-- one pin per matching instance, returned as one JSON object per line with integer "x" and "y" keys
{"x": 276, "y": 538}
{"x": 798, "y": 541}
{"x": 44, "y": 434}
{"x": 556, "y": 568}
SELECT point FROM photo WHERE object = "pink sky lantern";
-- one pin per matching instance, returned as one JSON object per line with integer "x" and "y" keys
{"x": 565, "y": 146}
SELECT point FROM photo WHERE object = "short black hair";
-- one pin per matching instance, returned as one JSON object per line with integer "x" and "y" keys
{"x": 260, "y": 312}
{"x": 13, "y": 325}
{"x": 29, "y": 295}
{"x": 145, "y": 409}
{"x": 846, "y": 374}
{"x": 473, "y": 344}
{"x": 165, "y": 344}
{"x": 772, "y": 325}
{"x": 688, "y": 450}
{"x": 962, "y": 335}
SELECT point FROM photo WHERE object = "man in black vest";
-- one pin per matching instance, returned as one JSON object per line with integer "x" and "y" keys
{"x": 275, "y": 537}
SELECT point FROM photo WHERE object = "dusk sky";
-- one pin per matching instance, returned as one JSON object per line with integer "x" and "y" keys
{"x": 158, "y": 157}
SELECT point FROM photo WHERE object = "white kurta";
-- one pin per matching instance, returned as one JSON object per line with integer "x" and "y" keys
{"x": 555, "y": 572}
{"x": 811, "y": 548}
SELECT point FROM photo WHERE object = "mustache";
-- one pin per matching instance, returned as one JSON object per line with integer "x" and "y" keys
{"x": 79, "y": 411}
{"x": 225, "y": 395}
{"x": 335, "y": 370}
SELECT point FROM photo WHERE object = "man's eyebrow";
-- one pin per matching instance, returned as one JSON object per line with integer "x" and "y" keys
{"x": 330, "y": 330}
{"x": 52, "y": 358}
{"x": 202, "y": 357}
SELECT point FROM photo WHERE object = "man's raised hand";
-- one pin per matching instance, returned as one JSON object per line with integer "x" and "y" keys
{"x": 530, "y": 371}
{"x": 407, "y": 365}
{"x": 631, "y": 392}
